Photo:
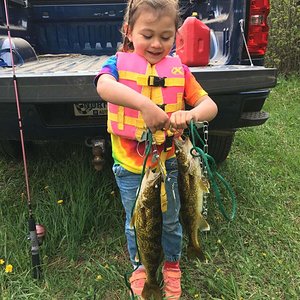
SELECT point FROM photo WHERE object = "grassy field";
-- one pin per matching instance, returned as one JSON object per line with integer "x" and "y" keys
{"x": 84, "y": 254}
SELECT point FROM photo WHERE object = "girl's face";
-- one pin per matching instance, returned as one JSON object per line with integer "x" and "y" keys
{"x": 153, "y": 35}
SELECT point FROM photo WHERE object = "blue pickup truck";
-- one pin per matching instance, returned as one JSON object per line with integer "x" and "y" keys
{"x": 59, "y": 46}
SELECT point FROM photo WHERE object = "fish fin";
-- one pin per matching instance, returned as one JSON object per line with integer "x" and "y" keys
{"x": 194, "y": 249}
{"x": 190, "y": 167}
{"x": 204, "y": 185}
{"x": 151, "y": 291}
{"x": 203, "y": 225}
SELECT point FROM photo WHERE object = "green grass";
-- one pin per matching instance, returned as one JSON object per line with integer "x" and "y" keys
{"x": 84, "y": 254}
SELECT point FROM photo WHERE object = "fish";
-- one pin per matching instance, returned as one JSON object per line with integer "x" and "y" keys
{"x": 147, "y": 221}
{"x": 191, "y": 186}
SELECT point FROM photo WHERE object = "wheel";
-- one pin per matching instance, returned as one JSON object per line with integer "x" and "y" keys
{"x": 219, "y": 144}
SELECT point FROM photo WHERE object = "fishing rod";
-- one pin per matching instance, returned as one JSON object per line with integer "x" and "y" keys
{"x": 34, "y": 237}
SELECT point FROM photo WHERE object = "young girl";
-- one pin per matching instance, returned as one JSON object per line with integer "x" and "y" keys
{"x": 147, "y": 88}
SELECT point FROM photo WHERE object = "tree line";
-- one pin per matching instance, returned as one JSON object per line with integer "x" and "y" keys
{"x": 284, "y": 36}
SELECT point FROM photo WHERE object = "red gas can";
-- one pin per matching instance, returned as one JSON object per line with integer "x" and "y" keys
{"x": 193, "y": 42}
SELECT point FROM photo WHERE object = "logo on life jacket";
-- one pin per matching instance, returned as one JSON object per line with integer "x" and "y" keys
{"x": 177, "y": 70}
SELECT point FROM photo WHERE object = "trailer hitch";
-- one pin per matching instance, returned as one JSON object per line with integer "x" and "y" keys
{"x": 98, "y": 149}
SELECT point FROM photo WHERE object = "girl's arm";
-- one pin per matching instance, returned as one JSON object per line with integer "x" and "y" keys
{"x": 205, "y": 109}
{"x": 117, "y": 93}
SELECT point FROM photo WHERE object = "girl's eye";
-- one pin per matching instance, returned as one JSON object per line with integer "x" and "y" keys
{"x": 165, "y": 38}
{"x": 147, "y": 37}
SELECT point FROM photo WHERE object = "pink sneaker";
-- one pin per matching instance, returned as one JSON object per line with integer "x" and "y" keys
{"x": 137, "y": 281}
{"x": 172, "y": 283}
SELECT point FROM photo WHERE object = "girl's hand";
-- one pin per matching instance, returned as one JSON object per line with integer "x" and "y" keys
{"x": 180, "y": 119}
{"x": 154, "y": 117}
{"x": 205, "y": 110}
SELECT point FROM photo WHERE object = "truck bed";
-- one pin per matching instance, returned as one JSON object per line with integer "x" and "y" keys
{"x": 68, "y": 78}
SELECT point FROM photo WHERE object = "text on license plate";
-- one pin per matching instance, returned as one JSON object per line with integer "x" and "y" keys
{"x": 88, "y": 109}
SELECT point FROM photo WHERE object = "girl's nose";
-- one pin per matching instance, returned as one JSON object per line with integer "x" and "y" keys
{"x": 156, "y": 43}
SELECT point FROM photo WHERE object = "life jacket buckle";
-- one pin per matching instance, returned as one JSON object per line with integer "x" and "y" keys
{"x": 156, "y": 81}
{"x": 168, "y": 143}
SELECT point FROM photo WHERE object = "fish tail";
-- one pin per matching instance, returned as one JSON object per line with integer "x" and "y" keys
{"x": 194, "y": 249}
{"x": 195, "y": 252}
{"x": 194, "y": 239}
{"x": 151, "y": 291}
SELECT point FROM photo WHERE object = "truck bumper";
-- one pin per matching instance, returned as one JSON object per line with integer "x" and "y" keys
{"x": 47, "y": 98}
{"x": 50, "y": 121}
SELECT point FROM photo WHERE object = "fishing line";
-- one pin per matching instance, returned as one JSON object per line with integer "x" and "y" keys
{"x": 35, "y": 255}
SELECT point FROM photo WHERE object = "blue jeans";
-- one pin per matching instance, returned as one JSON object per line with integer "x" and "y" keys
{"x": 128, "y": 184}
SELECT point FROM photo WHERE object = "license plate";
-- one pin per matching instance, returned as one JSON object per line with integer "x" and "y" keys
{"x": 90, "y": 109}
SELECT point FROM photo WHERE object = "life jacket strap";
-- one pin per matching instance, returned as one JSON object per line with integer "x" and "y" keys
{"x": 145, "y": 80}
{"x": 139, "y": 123}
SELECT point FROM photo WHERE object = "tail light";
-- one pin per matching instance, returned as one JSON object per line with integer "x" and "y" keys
{"x": 258, "y": 29}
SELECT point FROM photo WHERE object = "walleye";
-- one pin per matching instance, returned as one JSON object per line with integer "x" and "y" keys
{"x": 147, "y": 220}
{"x": 191, "y": 187}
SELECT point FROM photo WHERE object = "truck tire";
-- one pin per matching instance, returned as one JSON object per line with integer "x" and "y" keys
{"x": 219, "y": 144}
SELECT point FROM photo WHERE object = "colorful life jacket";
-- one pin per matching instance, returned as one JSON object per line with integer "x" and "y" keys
{"x": 163, "y": 83}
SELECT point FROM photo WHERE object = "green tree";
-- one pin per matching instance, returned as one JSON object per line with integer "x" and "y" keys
{"x": 284, "y": 37}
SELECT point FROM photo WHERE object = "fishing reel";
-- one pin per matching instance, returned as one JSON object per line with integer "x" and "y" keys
{"x": 40, "y": 233}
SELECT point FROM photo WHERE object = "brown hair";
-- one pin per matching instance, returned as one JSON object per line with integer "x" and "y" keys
{"x": 134, "y": 9}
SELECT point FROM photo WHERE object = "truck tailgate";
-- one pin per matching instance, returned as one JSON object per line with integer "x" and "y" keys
{"x": 69, "y": 79}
